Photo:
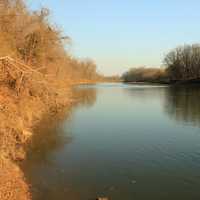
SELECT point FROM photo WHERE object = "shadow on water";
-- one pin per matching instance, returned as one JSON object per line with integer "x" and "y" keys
{"x": 85, "y": 96}
{"x": 182, "y": 104}
{"x": 49, "y": 138}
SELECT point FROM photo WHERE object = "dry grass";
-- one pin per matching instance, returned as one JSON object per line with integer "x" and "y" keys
{"x": 12, "y": 183}
{"x": 21, "y": 108}
{"x": 35, "y": 80}
{"x": 24, "y": 98}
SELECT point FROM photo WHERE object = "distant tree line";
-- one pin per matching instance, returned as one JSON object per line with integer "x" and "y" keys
{"x": 180, "y": 64}
{"x": 143, "y": 74}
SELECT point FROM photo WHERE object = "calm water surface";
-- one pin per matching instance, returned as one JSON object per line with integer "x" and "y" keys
{"x": 121, "y": 141}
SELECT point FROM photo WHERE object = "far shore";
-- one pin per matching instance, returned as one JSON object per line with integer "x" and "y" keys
{"x": 173, "y": 82}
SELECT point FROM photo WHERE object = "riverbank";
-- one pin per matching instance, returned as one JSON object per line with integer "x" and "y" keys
{"x": 146, "y": 82}
{"x": 36, "y": 76}
{"x": 20, "y": 114}
{"x": 174, "y": 82}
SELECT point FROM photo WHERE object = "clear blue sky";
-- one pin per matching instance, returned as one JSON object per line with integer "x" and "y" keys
{"x": 119, "y": 34}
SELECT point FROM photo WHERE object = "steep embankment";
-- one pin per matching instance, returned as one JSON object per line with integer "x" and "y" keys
{"x": 25, "y": 97}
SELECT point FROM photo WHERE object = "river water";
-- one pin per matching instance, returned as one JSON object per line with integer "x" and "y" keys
{"x": 130, "y": 142}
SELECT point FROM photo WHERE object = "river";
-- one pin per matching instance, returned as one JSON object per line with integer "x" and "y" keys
{"x": 123, "y": 142}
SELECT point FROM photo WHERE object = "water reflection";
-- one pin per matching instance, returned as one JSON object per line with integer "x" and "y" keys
{"x": 51, "y": 137}
{"x": 85, "y": 96}
{"x": 182, "y": 104}
{"x": 119, "y": 145}
{"x": 45, "y": 140}
{"x": 146, "y": 93}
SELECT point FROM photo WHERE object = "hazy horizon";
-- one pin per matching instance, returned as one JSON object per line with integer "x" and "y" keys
{"x": 124, "y": 34}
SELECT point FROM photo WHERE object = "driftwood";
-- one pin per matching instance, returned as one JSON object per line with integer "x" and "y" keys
{"x": 15, "y": 72}
{"x": 19, "y": 65}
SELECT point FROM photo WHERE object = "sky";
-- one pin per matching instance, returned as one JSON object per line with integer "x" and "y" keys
{"x": 120, "y": 34}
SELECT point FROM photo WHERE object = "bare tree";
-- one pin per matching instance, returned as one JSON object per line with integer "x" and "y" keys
{"x": 30, "y": 37}
{"x": 183, "y": 63}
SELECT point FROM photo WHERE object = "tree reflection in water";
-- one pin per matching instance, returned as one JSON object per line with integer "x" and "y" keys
{"x": 85, "y": 96}
{"x": 49, "y": 135}
{"x": 48, "y": 139}
{"x": 182, "y": 104}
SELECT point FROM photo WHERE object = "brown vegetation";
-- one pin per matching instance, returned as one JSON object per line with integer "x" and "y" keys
{"x": 35, "y": 74}
{"x": 143, "y": 74}
{"x": 114, "y": 78}
{"x": 183, "y": 63}
{"x": 29, "y": 37}
{"x": 12, "y": 183}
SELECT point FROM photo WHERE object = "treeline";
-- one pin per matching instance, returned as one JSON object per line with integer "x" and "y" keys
{"x": 30, "y": 37}
{"x": 114, "y": 78}
{"x": 181, "y": 64}
{"x": 143, "y": 74}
